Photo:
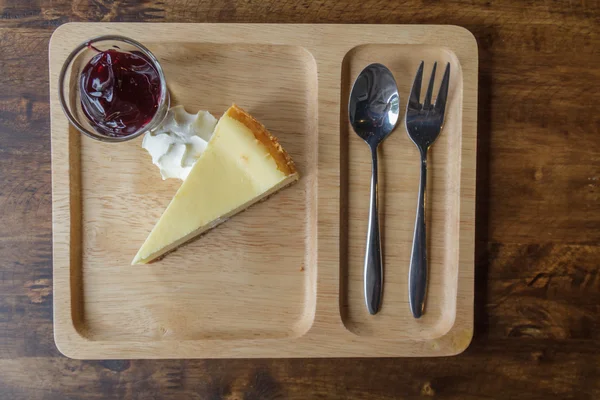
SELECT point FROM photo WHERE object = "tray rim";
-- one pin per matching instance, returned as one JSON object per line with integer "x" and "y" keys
{"x": 317, "y": 342}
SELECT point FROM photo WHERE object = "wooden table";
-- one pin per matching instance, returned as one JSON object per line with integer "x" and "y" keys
{"x": 538, "y": 214}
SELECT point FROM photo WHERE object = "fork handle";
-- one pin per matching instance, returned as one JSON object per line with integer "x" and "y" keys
{"x": 373, "y": 279}
{"x": 417, "y": 278}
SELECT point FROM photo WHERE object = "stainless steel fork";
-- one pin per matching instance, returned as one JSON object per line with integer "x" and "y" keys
{"x": 423, "y": 125}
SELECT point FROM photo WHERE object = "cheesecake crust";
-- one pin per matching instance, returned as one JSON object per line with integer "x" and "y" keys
{"x": 283, "y": 160}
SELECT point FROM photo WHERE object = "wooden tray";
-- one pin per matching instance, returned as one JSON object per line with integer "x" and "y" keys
{"x": 283, "y": 279}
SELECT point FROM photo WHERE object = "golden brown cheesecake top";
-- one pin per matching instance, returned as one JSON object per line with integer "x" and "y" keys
{"x": 281, "y": 157}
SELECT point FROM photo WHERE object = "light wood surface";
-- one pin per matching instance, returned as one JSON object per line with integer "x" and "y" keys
{"x": 399, "y": 185}
{"x": 281, "y": 279}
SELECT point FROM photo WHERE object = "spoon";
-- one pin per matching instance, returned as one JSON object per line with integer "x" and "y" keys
{"x": 373, "y": 111}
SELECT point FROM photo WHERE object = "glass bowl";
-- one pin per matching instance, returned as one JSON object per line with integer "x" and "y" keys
{"x": 70, "y": 92}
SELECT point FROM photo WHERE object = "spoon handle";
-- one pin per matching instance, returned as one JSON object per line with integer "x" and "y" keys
{"x": 373, "y": 263}
{"x": 417, "y": 276}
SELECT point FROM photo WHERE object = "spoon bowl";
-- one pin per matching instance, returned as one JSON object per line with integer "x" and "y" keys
{"x": 374, "y": 105}
{"x": 373, "y": 111}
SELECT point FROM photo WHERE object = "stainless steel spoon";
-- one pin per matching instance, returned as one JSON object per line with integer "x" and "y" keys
{"x": 373, "y": 111}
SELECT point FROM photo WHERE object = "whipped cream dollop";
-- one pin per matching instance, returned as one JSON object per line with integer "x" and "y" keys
{"x": 178, "y": 141}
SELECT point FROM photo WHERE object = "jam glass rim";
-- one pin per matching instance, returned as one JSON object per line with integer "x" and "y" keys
{"x": 163, "y": 104}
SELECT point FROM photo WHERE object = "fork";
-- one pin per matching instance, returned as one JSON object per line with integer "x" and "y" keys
{"x": 423, "y": 125}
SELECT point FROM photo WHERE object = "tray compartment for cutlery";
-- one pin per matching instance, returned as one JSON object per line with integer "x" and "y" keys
{"x": 398, "y": 188}
{"x": 284, "y": 278}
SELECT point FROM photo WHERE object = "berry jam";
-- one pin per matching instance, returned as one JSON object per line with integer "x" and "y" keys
{"x": 120, "y": 92}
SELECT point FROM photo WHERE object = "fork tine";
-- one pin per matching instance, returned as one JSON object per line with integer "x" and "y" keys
{"x": 415, "y": 93}
{"x": 440, "y": 102}
{"x": 427, "y": 102}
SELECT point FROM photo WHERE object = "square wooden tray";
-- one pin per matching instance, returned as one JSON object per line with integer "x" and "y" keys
{"x": 284, "y": 278}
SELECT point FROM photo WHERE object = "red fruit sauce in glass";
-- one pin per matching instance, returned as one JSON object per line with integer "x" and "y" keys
{"x": 120, "y": 92}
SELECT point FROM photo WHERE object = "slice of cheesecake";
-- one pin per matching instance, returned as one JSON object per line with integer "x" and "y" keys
{"x": 241, "y": 165}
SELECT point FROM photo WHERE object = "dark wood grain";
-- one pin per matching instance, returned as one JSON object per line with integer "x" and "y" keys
{"x": 538, "y": 214}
